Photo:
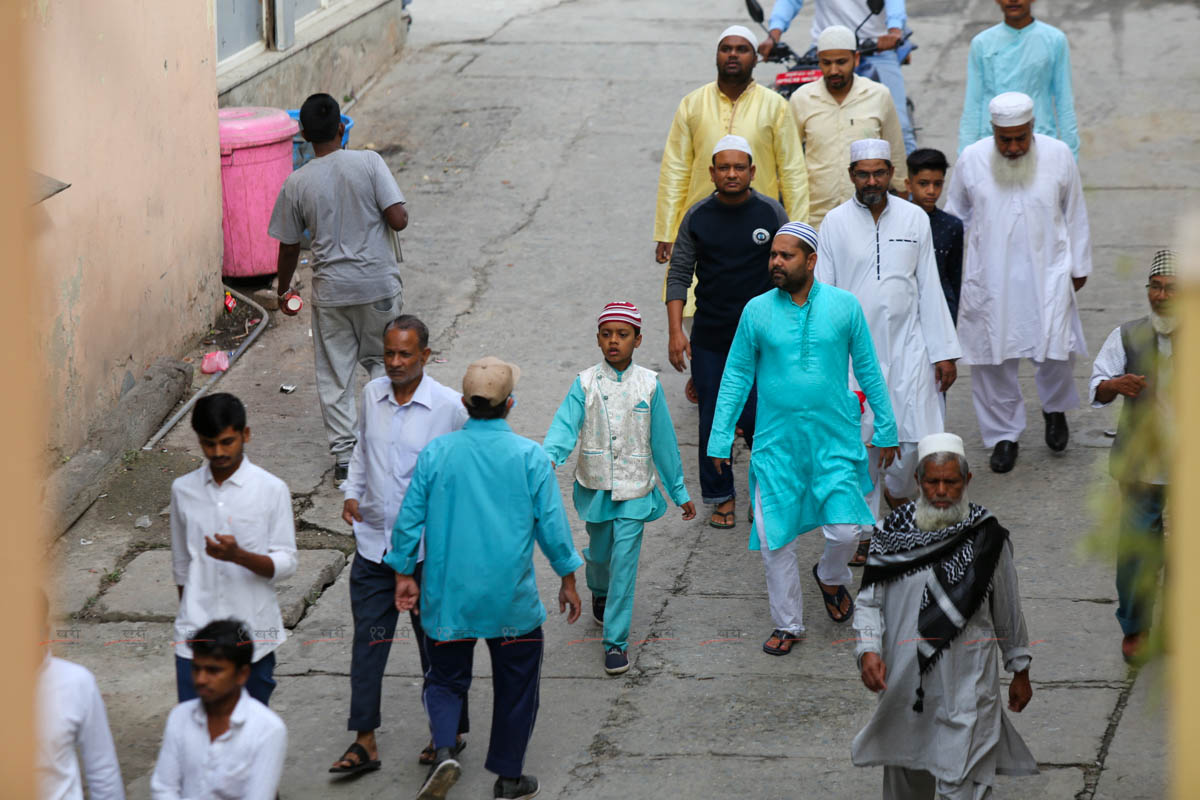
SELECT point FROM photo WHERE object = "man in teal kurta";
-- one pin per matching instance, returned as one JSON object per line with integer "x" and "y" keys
{"x": 1020, "y": 54}
{"x": 808, "y": 467}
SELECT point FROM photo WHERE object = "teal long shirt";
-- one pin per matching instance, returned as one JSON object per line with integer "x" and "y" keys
{"x": 808, "y": 460}
{"x": 1035, "y": 60}
{"x": 597, "y": 505}
{"x": 483, "y": 495}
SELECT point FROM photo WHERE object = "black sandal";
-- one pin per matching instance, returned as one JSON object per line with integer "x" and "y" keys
{"x": 428, "y": 756}
{"x": 833, "y": 600}
{"x": 786, "y": 641}
{"x": 361, "y": 762}
{"x": 861, "y": 554}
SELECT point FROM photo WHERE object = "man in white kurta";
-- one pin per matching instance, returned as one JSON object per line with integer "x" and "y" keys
{"x": 939, "y": 603}
{"x": 1020, "y": 197}
{"x": 880, "y": 248}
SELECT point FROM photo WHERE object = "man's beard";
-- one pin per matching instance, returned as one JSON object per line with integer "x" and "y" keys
{"x": 931, "y": 518}
{"x": 792, "y": 283}
{"x": 1014, "y": 172}
{"x": 1164, "y": 324}
{"x": 872, "y": 197}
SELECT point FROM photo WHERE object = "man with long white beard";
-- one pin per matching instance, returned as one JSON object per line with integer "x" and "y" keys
{"x": 1136, "y": 362}
{"x": 1029, "y": 250}
{"x": 939, "y": 601}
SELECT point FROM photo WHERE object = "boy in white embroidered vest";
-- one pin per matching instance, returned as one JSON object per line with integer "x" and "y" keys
{"x": 617, "y": 413}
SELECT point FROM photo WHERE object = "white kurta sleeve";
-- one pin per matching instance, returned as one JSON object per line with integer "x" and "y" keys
{"x": 958, "y": 200}
{"x": 1109, "y": 363}
{"x": 826, "y": 270}
{"x": 937, "y": 326}
{"x": 281, "y": 546}
{"x": 868, "y": 621}
{"x": 1007, "y": 618}
{"x": 1075, "y": 217}
{"x": 97, "y": 751}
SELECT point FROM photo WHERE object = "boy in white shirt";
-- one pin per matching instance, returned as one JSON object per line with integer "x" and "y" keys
{"x": 224, "y": 743}
{"x": 232, "y": 539}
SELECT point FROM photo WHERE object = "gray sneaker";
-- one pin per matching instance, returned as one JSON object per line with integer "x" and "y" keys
{"x": 442, "y": 775}
{"x": 521, "y": 788}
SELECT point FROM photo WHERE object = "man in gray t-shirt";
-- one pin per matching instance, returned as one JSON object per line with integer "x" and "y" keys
{"x": 350, "y": 204}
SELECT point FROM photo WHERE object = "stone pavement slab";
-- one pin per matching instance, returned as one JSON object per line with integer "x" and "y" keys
{"x": 147, "y": 591}
{"x": 1135, "y": 768}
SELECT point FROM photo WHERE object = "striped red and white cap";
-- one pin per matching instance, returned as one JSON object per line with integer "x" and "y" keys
{"x": 620, "y": 311}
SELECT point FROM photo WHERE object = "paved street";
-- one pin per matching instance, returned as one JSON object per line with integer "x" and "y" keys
{"x": 527, "y": 136}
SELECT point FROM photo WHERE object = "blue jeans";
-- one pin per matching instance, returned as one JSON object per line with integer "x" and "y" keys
{"x": 707, "y": 368}
{"x": 887, "y": 65}
{"x": 259, "y": 686}
{"x": 612, "y": 564}
{"x": 1139, "y": 554}
{"x": 516, "y": 676}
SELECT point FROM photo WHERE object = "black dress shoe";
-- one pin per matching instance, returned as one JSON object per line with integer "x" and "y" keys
{"x": 1004, "y": 456}
{"x": 1056, "y": 430}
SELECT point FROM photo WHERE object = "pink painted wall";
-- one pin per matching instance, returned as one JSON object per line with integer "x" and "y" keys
{"x": 125, "y": 110}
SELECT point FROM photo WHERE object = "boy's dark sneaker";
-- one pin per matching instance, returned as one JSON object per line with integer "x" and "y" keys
{"x": 341, "y": 472}
{"x": 598, "y": 609}
{"x": 442, "y": 775}
{"x": 615, "y": 661}
{"x": 521, "y": 788}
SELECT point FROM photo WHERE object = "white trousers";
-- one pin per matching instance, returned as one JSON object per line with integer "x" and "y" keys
{"x": 900, "y": 783}
{"x": 999, "y": 406}
{"x": 783, "y": 575}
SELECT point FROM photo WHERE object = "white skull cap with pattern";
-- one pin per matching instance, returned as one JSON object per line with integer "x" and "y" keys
{"x": 731, "y": 142}
{"x": 742, "y": 31}
{"x": 940, "y": 443}
{"x": 1011, "y": 109}
{"x": 865, "y": 149}
{"x": 837, "y": 37}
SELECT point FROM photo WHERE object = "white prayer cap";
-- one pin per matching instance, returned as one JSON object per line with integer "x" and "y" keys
{"x": 940, "y": 443}
{"x": 742, "y": 31}
{"x": 865, "y": 149}
{"x": 802, "y": 231}
{"x": 1011, "y": 109}
{"x": 732, "y": 142}
{"x": 836, "y": 37}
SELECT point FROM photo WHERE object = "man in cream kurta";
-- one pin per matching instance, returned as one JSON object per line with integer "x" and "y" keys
{"x": 833, "y": 112}
{"x": 880, "y": 249}
{"x": 1029, "y": 250}
{"x": 732, "y": 104}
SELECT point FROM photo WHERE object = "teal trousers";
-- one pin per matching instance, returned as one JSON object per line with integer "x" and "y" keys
{"x": 612, "y": 562}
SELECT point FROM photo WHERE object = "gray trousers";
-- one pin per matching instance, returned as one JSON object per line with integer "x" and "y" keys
{"x": 344, "y": 337}
{"x": 900, "y": 783}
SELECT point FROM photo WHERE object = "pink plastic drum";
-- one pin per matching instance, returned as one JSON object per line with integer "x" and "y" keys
{"x": 256, "y": 158}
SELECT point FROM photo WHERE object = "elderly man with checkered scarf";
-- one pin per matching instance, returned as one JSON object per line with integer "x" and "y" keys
{"x": 939, "y": 602}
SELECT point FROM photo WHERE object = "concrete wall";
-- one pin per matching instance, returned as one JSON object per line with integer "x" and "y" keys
{"x": 125, "y": 110}
{"x": 335, "y": 52}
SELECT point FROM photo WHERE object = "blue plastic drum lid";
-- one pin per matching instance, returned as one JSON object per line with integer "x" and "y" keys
{"x": 302, "y": 151}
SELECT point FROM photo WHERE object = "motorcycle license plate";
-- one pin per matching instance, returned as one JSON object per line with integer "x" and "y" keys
{"x": 797, "y": 77}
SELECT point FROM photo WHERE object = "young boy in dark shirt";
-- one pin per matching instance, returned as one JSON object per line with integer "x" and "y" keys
{"x": 926, "y": 175}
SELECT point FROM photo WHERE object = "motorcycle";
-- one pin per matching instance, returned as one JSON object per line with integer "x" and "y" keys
{"x": 800, "y": 69}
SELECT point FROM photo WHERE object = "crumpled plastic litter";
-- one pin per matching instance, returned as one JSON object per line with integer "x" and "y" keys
{"x": 216, "y": 361}
{"x": 142, "y": 522}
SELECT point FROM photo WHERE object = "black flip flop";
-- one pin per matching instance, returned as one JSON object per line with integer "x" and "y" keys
{"x": 834, "y": 599}
{"x": 787, "y": 641}
{"x": 428, "y": 756}
{"x": 365, "y": 764}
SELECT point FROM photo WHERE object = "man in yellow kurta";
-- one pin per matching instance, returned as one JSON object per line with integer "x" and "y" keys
{"x": 833, "y": 112}
{"x": 732, "y": 104}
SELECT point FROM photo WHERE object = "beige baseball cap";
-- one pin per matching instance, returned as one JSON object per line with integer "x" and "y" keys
{"x": 490, "y": 378}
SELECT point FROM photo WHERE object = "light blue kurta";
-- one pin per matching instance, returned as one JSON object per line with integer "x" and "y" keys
{"x": 597, "y": 505}
{"x": 808, "y": 463}
{"x": 1035, "y": 60}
